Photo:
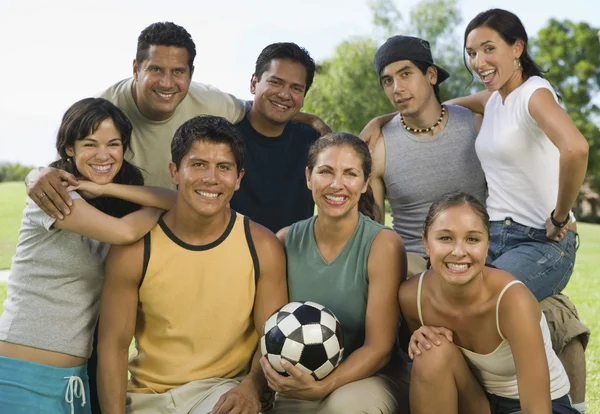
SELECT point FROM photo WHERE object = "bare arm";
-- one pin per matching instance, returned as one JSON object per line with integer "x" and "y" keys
{"x": 377, "y": 183}
{"x": 475, "y": 102}
{"x": 148, "y": 196}
{"x": 118, "y": 305}
{"x": 573, "y": 147}
{"x": 372, "y": 131}
{"x": 520, "y": 316}
{"x": 47, "y": 187}
{"x": 387, "y": 268}
{"x": 88, "y": 221}
{"x": 271, "y": 294}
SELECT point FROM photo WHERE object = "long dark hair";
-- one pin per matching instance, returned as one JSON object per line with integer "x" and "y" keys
{"x": 366, "y": 203}
{"x": 82, "y": 119}
{"x": 510, "y": 28}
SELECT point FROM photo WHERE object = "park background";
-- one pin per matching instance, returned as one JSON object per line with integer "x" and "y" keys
{"x": 55, "y": 53}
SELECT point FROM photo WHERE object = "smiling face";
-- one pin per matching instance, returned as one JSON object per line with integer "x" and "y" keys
{"x": 206, "y": 178}
{"x": 407, "y": 88}
{"x": 162, "y": 81}
{"x": 337, "y": 181}
{"x": 99, "y": 156}
{"x": 456, "y": 242}
{"x": 493, "y": 60}
{"x": 279, "y": 93}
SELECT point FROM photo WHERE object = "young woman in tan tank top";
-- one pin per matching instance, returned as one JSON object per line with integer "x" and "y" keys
{"x": 487, "y": 327}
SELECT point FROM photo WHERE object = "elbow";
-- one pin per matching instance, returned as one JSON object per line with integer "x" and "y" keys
{"x": 382, "y": 359}
{"x": 578, "y": 152}
{"x": 127, "y": 236}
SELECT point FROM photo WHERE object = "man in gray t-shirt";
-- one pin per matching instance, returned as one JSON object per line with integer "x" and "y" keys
{"x": 427, "y": 150}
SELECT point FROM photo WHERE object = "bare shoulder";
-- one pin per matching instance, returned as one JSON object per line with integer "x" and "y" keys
{"x": 264, "y": 239}
{"x": 123, "y": 252}
{"x": 388, "y": 241}
{"x": 126, "y": 262}
{"x": 407, "y": 296}
{"x": 282, "y": 234}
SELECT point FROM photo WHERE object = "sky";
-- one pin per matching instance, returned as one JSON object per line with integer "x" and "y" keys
{"x": 55, "y": 53}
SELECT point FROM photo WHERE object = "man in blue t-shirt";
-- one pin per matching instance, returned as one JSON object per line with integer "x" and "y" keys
{"x": 273, "y": 191}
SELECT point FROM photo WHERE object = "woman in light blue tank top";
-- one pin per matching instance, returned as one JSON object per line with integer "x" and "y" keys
{"x": 353, "y": 265}
{"x": 56, "y": 275}
{"x": 493, "y": 353}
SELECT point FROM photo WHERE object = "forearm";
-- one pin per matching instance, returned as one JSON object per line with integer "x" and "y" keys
{"x": 573, "y": 167}
{"x": 158, "y": 197}
{"x": 135, "y": 225}
{"x": 112, "y": 378}
{"x": 256, "y": 378}
{"x": 362, "y": 363}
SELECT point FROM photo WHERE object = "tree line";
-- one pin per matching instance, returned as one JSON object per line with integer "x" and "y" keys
{"x": 346, "y": 91}
{"x": 13, "y": 172}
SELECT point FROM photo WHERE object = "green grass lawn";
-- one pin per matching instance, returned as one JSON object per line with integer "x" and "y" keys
{"x": 583, "y": 289}
{"x": 12, "y": 202}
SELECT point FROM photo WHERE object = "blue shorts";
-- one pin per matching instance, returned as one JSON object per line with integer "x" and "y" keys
{"x": 501, "y": 405}
{"x": 27, "y": 387}
{"x": 543, "y": 265}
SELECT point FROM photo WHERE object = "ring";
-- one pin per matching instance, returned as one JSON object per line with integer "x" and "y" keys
{"x": 41, "y": 195}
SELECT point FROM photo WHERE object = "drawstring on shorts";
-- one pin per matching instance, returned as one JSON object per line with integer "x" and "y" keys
{"x": 75, "y": 389}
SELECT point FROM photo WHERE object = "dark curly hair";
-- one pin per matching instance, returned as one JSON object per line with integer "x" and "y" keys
{"x": 165, "y": 34}
{"x": 289, "y": 51}
{"x": 83, "y": 119}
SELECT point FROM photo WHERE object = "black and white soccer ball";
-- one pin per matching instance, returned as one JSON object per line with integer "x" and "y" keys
{"x": 306, "y": 334}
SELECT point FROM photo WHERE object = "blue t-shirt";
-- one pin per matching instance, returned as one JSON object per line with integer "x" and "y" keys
{"x": 273, "y": 190}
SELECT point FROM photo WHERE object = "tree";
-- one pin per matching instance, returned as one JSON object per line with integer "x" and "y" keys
{"x": 570, "y": 52}
{"x": 13, "y": 172}
{"x": 346, "y": 92}
{"x": 436, "y": 21}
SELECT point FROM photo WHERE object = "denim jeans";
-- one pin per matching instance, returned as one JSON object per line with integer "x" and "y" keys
{"x": 543, "y": 265}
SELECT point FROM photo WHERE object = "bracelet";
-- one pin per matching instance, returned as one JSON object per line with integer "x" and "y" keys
{"x": 557, "y": 223}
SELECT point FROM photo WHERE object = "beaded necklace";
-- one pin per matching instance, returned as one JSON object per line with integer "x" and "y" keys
{"x": 420, "y": 130}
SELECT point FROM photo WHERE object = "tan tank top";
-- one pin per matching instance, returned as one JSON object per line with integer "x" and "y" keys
{"x": 195, "y": 311}
{"x": 496, "y": 371}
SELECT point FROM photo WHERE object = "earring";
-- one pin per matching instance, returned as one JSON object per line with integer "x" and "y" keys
{"x": 517, "y": 63}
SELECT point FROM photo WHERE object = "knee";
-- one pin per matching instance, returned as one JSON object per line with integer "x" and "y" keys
{"x": 435, "y": 362}
{"x": 371, "y": 395}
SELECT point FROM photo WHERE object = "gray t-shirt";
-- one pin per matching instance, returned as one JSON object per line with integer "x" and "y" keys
{"x": 419, "y": 170}
{"x": 53, "y": 287}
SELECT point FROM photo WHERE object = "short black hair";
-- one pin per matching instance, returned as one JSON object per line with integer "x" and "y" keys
{"x": 165, "y": 34}
{"x": 207, "y": 128}
{"x": 286, "y": 50}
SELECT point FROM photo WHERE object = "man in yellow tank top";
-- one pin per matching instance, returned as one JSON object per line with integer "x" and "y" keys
{"x": 195, "y": 292}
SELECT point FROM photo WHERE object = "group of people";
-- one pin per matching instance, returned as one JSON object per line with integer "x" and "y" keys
{"x": 190, "y": 252}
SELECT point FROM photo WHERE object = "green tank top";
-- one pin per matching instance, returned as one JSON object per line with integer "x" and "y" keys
{"x": 342, "y": 284}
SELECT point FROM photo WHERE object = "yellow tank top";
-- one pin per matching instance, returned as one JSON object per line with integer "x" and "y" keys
{"x": 195, "y": 318}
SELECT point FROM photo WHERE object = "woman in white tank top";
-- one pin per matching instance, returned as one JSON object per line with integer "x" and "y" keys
{"x": 493, "y": 354}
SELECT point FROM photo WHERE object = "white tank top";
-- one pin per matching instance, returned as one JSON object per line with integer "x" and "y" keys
{"x": 496, "y": 371}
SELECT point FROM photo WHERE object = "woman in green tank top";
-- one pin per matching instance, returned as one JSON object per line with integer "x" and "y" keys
{"x": 351, "y": 264}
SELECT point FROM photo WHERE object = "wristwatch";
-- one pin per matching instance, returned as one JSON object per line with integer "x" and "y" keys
{"x": 558, "y": 223}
